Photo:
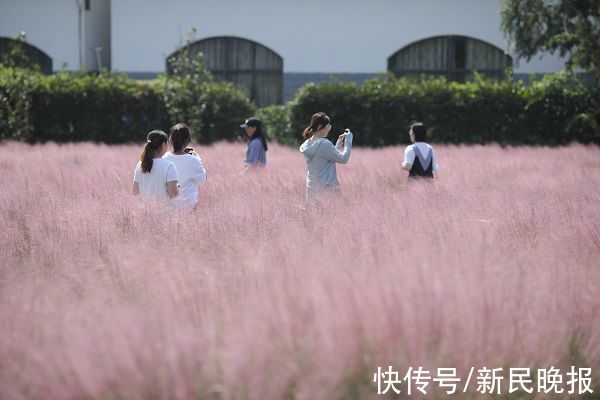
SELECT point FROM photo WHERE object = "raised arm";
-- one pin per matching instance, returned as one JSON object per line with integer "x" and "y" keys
{"x": 340, "y": 153}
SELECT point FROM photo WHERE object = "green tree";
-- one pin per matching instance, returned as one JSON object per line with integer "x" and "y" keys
{"x": 213, "y": 110}
{"x": 15, "y": 96}
{"x": 186, "y": 62}
{"x": 15, "y": 56}
{"x": 184, "y": 86}
{"x": 570, "y": 27}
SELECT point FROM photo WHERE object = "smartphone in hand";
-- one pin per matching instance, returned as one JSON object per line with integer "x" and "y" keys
{"x": 342, "y": 137}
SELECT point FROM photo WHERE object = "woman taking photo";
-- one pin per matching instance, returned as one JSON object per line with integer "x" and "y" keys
{"x": 189, "y": 165}
{"x": 321, "y": 155}
{"x": 155, "y": 178}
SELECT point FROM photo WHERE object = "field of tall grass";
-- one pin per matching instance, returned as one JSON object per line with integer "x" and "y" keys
{"x": 496, "y": 264}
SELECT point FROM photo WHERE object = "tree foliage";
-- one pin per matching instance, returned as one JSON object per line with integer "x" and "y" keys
{"x": 570, "y": 27}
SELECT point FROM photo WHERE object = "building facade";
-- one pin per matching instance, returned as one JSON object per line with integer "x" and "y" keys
{"x": 314, "y": 39}
{"x": 73, "y": 33}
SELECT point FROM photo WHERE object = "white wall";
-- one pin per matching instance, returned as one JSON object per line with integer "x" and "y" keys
{"x": 310, "y": 35}
{"x": 97, "y": 33}
{"x": 50, "y": 26}
{"x": 53, "y": 27}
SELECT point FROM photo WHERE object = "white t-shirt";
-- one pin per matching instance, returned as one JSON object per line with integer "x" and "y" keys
{"x": 191, "y": 174}
{"x": 409, "y": 155}
{"x": 153, "y": 184}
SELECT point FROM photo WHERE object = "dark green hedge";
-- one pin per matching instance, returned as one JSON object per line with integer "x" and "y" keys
{"x": 94, "y": 108}
{"x": 557, "y": 109}
{"x": 113, "y": 108}
{"x": 214, "y": 110}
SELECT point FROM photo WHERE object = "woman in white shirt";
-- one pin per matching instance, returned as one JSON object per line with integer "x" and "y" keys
{"x": 155, "y": 178}
{"x": 419, "y": 157}
{"x": 189, "y": 165}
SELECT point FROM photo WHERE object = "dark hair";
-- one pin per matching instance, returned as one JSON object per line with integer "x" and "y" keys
{"x": 258, "y": 132}
{"x": 179, "y": 135}
{"x": 155, "y": 140}
{"x": 320, "y": 119}
{"x": 420, "y": 131}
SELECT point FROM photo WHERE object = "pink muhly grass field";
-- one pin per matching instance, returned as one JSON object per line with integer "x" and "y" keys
{"x": 495, "y": 264}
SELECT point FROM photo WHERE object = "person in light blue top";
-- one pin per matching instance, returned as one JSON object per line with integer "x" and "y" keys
{"x": 256, "y": 154}
{"x": 321, "y": 156}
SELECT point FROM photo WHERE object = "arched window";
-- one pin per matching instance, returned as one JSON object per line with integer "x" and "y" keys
{"x": 254, "y": 68}
{"x": 452, "y": 56}
{"x": 32, "y": 54}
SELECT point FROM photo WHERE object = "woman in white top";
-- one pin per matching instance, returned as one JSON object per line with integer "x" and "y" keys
{"x": 189, "y": 165}
{"x": 419, "y": 157}
{"x": 155, "y": 178}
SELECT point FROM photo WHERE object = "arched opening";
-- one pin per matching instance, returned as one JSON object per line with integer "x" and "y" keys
{"x": 32, "y": 55}
{"x": 455, "y": 57}
{"x": 254, "y": 68}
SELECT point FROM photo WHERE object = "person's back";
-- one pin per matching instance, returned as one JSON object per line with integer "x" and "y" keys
{"x": 155, "y": 178}
{"x": 419, "y": 157}
{"x": 153, "y": 184}
{"x": 191, "y": 173}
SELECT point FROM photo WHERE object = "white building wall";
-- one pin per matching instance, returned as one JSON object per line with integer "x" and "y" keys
{"x": 331, "y": 36}
{"x": 311, "y": 35}
{"x": 50, "y": 26}
{"x": 97, "y": 34}
{"x": 53, "y": 27}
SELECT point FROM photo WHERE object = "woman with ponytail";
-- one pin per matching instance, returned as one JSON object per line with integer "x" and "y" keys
{"x": 155, "y": 178}
{"x": 189, "y": 165}
{"x": 321, "y": 155}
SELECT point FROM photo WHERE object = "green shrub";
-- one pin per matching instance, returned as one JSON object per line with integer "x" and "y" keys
{"x": 104, "y": 108}
{"x": 276, "y": 123}
{"x": 346, "y": 103}
{"x": 557, "y": 109}
{"x": 213, "y": 111}
{"x": 15, "y": 103}
{"x": 113, "y": 108}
